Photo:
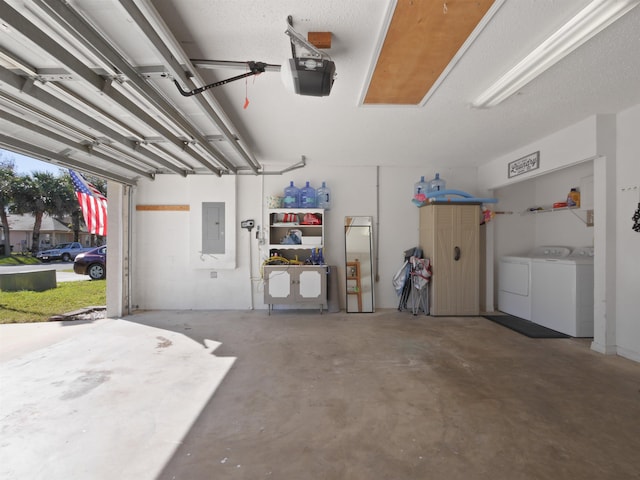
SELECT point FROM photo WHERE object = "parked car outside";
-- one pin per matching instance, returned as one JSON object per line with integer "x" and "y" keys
{"x": 92, "y": 263}
{"x": 64, "y": 251}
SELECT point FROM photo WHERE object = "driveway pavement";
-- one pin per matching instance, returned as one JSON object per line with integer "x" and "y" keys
{"x": 109, "y": 399}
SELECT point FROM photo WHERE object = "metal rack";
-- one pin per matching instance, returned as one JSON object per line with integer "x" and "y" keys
{"x": 420, "y": 274}
{"x": 414, "y": 293}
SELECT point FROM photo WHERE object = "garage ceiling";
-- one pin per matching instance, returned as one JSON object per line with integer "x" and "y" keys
{"x": 88, "y": 84}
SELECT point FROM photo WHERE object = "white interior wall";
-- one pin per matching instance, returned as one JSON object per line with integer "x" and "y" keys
{"x": 117, "y": 221}
{"x": 563, "y": 227}
{"x": 171, "y": 274}
{"x": 520, "y": 232}
{"x": 165, "y": 277}
{"x": 610, "y": 149}
{"x": 572, "y": 145}
{"x": 627, "y": 240}
{"x": 514, "y": 233}
{"x": 355, "y": 192}
{"x": 604, "y": 282}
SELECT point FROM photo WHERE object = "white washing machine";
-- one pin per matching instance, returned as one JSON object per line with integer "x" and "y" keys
{"x": 562, "y": 293}
{"x": 515, "y": 282}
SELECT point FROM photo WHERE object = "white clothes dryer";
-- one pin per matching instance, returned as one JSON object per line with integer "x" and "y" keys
{"x": 515, "y": 279}
{"x": 562, "y": 293}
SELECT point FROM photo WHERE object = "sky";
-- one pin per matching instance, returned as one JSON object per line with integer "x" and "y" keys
{"x": 25, "y": 165}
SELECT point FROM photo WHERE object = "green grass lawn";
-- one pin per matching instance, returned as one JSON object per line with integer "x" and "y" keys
{"x": 15, "y": 259}
{"x": 27, "y": 306}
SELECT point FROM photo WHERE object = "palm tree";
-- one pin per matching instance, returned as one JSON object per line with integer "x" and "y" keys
{"x": 40, "y": 193}
{"x": 7, "y": 179}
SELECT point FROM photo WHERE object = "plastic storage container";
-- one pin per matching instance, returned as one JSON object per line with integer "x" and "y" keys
{"x": 573, "y": 199}
{"x": 291, "y": 196}
{"x": 308, "y": 196}
{"x": 323, "y": 197}
{"x": 420, "y": 190}
{"x": 436, "y": 184}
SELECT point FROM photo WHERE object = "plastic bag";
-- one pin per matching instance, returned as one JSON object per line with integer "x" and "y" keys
{"x": 293, "y": 237}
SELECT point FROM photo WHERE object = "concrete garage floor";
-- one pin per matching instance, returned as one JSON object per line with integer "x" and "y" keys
{"x": 307, "y": 396}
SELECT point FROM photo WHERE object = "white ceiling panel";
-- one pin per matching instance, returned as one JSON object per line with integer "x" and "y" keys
{"x": 100, "y": 74}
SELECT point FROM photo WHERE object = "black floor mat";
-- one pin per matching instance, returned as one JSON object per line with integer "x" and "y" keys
{"x": 525, "y": 327}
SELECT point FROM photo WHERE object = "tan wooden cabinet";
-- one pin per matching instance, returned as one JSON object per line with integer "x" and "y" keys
{"x": 450, "y": 238}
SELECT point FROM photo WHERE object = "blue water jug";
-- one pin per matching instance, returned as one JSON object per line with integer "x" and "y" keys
{"x": 291, "y": 196}
{"x": 323, "y": 197}
{"x": 420, "y": 189}
{"x": 436, "y": 184}
{"x": 308, "y": 197}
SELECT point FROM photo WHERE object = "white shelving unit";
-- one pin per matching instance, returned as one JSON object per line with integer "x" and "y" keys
{"x": 292, "y": 283}
{"x": 312, "y": 235}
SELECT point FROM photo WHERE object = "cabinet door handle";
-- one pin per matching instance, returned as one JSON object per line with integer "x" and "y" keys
{"x": 456, "y": 253}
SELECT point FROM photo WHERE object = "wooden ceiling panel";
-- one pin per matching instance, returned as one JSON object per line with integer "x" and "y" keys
{"x": 423, "y": 37}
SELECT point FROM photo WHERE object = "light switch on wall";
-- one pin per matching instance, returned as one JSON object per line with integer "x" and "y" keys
{"x": 589, "y": 218}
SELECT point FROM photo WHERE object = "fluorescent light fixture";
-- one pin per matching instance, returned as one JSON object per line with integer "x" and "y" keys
{"x": 590, "y": 21}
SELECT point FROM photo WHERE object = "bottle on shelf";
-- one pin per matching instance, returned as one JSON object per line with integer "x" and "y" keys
{"x": 291, "y": 196}
{"x": 573, "y": 199}
{"x": 436, "y": 184}
{"x": 308, "y": 196}
{"x": 316, "y": 257}
{"x": 420, "y": 190}
{"x": 323, "y": 197}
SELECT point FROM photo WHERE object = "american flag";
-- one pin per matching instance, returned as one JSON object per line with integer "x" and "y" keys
{"x": 93, "y": 204}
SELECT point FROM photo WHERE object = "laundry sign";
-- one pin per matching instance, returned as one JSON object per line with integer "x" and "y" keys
{"x": 524, "y": 164}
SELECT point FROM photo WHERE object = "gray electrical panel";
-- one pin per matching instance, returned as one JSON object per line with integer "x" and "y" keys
{"x": 213, "y": 226}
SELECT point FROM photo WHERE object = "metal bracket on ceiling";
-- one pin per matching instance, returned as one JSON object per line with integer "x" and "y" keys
{"x": 297, "y": 39}
{"x": 90, "y": 146}
{"x": 302, "y": 163}
{"x": 217, "y": 138}
{"x": 61, "y": 75}
{"x": 54, "y": 75}
{"x": 27, "y": 85}
{"x": 255, "y": 68}
{"x": 155, "y": 71}
{"x": 106, "y": 86}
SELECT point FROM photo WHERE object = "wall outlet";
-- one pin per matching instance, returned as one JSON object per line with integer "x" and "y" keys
{"x": 589, "y": 218}
{"x": 213, "y": 274}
